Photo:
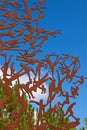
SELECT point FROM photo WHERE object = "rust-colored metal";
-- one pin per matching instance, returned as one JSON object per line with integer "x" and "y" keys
{"x": 19, "y": 28}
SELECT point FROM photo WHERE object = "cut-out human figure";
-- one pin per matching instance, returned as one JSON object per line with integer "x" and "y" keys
{"x": 74, "y": 91}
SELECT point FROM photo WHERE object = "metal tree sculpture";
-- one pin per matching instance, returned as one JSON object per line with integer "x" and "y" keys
{"x": 55, "y": 75}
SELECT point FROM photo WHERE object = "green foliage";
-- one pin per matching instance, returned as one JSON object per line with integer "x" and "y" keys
{"x": 85, "y": 124}
{"x": 11, "y": 106}
{"x": 85, "y": 120}
{"x": 11, "y": 110}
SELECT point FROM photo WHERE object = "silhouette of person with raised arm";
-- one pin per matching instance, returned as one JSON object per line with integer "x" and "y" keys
{"x": 52, "y": 64}
{"x": 41, "y": 108}
{"x": 66, "y": 101}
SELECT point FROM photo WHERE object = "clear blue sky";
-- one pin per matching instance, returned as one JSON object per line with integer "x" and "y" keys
{"x": 70, "y": 16}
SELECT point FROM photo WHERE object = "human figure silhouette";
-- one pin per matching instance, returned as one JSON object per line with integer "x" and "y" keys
{"x": 74, "y": 91}
{"x": 75, "y": 62}
{"x": 65, "y": 69}
{"x": 41, "y": 108}
{"x": 27, "y": 38}
{"x": 5, "y": 67}
{"x": 10, "y": 33}
{"x": 80, "y": 80}
{"x": 38, "y": 70}
{"x": 34, "y": 53}
{"x": 20, "y": 31}
{"x": 29, "y": 27}
{"x": 70, "y": 111}
{"x": 52, "y": 64}
{"x": 2, "y": 26}
{"x": 40, "y": 2}
{"x": 52, "y": 90}
{"x": 15, "y": 4}
{"x": 73, "y": 73}
{"x": 6, "y": 14}
{"x": 59, "y": 88}
{"x": 14, "y": 14}
{"x": 43, "y": 38}
{"x": 37, "y": 19}
{"x": 38, "y": 7}
{"x": 13, "y": 24}
{"x": 66, "y": 101}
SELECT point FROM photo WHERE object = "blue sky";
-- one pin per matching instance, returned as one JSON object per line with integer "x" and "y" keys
{"x": 70, "y": 16}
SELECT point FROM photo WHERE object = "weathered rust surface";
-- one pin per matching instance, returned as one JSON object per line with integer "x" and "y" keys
{"x": 18, "y": 28}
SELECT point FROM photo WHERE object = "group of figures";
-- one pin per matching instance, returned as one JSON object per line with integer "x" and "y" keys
{"x": 54, "y": 74}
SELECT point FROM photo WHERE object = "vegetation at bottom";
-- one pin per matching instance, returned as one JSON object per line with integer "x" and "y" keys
{"x": 13, "y": 115}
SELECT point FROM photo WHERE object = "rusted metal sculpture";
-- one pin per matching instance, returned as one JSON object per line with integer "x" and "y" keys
{"x": 20, "y": 33}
